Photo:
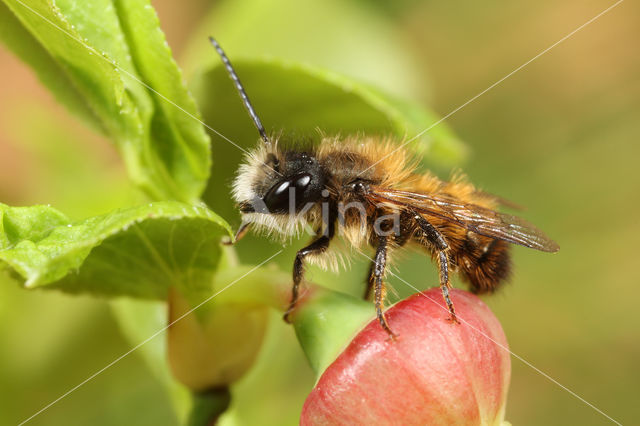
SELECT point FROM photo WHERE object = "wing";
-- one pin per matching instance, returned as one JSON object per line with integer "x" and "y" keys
{"x": 472, "y": 217}
{"x": 501, "y": 201}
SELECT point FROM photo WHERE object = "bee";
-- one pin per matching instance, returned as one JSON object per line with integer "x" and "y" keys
{"x": 368, "y": 191}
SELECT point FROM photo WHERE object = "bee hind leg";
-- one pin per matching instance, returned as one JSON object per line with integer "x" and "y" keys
{"x": 437, "y": 240}
{"x": 445, "y": 284}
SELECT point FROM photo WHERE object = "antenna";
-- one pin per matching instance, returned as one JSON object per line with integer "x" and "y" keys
{"x": 245, "y": 99}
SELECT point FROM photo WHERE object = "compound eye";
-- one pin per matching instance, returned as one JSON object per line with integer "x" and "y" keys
{"x": 302, "y": 181}
{"x": 277, "y": 199}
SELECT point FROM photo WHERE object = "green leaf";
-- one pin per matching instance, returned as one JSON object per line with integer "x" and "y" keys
{"x": 109, "y": 60}
{"x": 16, "y": 37}
{"x": 431, "y": 139}
{"x": 300, "y": 101}
{"x": 89, "y": 68}
{"x": 177, "y": 136}
{"x": 349, "y": 37}
{"x": 27, "y": 223}
{"x": 138, "y": 252}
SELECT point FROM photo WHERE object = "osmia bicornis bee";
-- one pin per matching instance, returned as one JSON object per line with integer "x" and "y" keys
{"x": 367, "y": 190}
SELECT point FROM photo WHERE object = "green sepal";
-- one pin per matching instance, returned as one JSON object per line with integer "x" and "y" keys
{"x": 208, "y": 406}
{"x": 326, "y": 321}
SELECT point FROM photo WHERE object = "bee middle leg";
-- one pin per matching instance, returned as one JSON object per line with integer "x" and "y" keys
{"x": 370, "y": 281}
{"x": 376, "y": 281}
{"x": 399, "y": 240}
{"x": 434, "y": 237}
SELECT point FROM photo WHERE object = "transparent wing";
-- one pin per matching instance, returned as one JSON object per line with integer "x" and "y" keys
{"x": 500, "y": 200}
{"x": 478, "y": 219}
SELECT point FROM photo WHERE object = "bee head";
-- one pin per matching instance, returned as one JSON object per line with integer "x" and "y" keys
{"x": 272, "y": 183}
{"x": 279, "y": 182}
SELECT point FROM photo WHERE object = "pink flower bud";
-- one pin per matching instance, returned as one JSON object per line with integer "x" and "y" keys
{"x": 436, "y": 372}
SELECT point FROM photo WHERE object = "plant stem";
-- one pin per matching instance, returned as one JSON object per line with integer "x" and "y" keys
{"x": 208, "y": 406}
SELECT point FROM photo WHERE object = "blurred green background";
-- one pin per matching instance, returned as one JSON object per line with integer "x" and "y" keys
{"x": 560, "y": 137}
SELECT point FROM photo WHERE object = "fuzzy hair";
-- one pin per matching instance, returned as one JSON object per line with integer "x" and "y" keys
{"x": 388, "y": 165}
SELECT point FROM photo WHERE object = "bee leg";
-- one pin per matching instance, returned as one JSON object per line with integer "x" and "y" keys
{"x": 316, "y": 247}
{"x": 434, "y": 237}
{"x": 370, "y": 281}
{"x": 241, "y": 232}
{"x": 445, "y": 284}
{"x": 399, "y": 240}
{"x": 377, "y": 273}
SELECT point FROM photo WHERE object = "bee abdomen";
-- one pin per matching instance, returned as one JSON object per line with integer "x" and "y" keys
{"x": 484, "y": 263}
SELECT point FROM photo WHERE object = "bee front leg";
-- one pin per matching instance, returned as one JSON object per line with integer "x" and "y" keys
{"x": 316, "y": 247}
{"x": 241, "y": 232}
{"x": 435, "y": 238}
{"x": 376, "y": 278}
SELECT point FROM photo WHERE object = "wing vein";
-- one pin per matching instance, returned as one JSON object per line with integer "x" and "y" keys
{"x": 472, "y": 217}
